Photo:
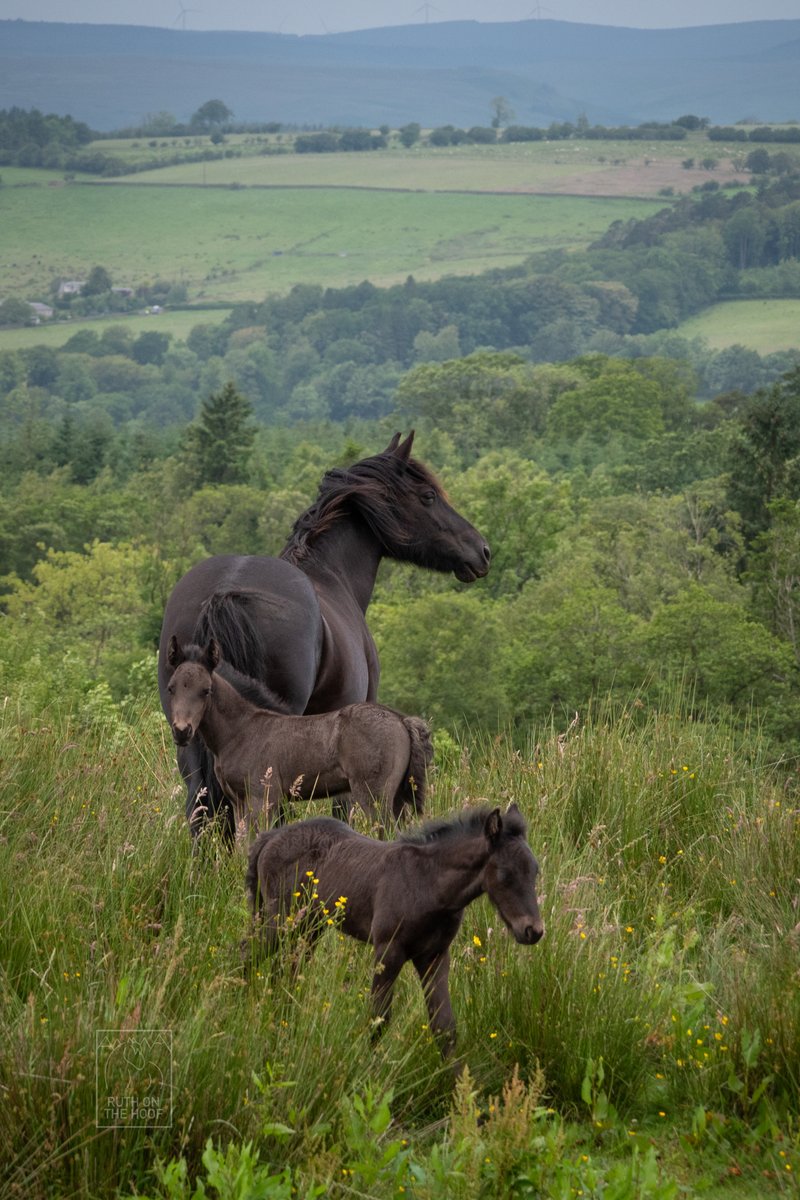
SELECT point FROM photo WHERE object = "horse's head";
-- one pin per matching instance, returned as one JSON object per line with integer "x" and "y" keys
{"x": 189, "y": 687}
{"x": 419, "y": 525}
{"x": 510, "y": 875}
{"x": 405, "y": 508}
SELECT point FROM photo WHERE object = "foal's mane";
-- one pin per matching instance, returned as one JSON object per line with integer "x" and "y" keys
{"x": 465, "y": 824}
{"x": 377, "y": 486}
{"x": 249, "y": 688}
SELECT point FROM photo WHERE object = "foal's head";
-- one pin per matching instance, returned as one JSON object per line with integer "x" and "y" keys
{"x": 190, "y": 687}
{"x": 510, "y": 875}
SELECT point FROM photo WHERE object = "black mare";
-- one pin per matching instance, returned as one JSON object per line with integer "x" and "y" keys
{"x": 297, "y": 622}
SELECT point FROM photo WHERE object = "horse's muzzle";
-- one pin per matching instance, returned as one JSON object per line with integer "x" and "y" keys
{"x": 531, "y": 934}
{"x": 476, "y": 568}
{"x": 182, "y": 734}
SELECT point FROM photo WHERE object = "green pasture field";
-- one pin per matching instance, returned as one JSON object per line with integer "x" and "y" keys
{"x": 762, "y": 325}
{"x": 583, "y": 167}
{"x": 229, "y": 244}
{"x": 57, "y": 333}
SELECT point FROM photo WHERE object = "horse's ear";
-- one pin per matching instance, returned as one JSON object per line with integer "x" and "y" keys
{"x": 512, "y": 808}
{"x": 403, "y": 451}
{"x": 175, "y": 655}
{"x": 390, "y": 449}
{"x": 213, "y": 655}
{"x": 493, "y": 825}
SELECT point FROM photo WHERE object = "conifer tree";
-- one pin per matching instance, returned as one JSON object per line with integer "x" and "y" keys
{"x": 217, "y": 446}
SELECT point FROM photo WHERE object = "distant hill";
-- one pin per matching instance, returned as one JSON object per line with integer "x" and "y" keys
{"x": 111, "y": 75}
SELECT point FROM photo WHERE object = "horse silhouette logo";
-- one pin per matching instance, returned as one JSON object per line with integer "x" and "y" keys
{"x": 134, "y": 1077}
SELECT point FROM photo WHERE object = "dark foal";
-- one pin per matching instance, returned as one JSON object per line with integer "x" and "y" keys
{"x": 380, "y": 756}
{"x": 405, "y": 897}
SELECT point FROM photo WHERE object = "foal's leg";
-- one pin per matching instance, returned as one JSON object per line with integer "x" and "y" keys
{"x": 363, "y": 796}
{"x": 434, "y": 971}
{"x": 388, "y": 961}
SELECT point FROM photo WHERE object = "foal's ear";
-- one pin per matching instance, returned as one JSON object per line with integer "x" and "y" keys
{"x": 213, "y": 655}
{"x": 175, "y": 655}
{"x": 493, "y": 825}
{"x": 512, "y": 808}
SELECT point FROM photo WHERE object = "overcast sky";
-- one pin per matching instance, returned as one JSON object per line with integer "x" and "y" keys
{"x": 333, "y": 16}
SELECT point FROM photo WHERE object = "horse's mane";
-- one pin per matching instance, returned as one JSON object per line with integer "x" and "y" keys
{"x": 376, "y": 487}
{"x": 251, "y": 689}
{"x": 466, "y": 823}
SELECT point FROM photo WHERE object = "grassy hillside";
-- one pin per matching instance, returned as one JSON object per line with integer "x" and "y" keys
{"x": 612, "y": 168}
{"x": 178, "y": 323}
{"x": 762, "y": 325}
{"x": 230, "y": 244}
{"x": 645, "y": 1049}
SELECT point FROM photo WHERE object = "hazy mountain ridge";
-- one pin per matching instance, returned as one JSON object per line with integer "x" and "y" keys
{"x": 110, "y": 75}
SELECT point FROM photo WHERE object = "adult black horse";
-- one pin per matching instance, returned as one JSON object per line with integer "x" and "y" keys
{"x": 297, "y": 623}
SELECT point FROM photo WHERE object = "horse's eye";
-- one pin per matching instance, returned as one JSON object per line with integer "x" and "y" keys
{"x": 428, "y": 498}
{"x": 206, "y": 691}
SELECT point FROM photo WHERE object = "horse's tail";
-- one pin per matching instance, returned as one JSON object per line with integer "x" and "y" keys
{"x": 413, "y": 789}
{"x": 251, "y": 881}
{"x": 228, "y": 617}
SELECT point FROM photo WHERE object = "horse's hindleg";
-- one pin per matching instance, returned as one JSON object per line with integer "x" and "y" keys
{"x": 363, "y": 796}
{"x": 434, "y": 972}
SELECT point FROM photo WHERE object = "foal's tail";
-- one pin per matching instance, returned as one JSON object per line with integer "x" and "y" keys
{"x": 414, "y": 786}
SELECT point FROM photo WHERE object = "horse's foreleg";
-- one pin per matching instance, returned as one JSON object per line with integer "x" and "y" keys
{"x": 434, "y": 973}
{"x": 388, "y": 961}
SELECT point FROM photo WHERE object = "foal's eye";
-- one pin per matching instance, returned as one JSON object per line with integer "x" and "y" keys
{"x": 206, "y": 692}
{"x": 428, "y": 498}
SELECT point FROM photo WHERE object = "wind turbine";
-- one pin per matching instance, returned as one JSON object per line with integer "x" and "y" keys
{"x": 182, "y": 11}
{"x": 427, "y": 9}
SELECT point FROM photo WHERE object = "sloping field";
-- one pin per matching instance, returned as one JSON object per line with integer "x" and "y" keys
{"x": 57, "y": 333}
{"x": 762, "y": 325}
{"x": 228, "y": 244}
{"x": 592, "y": 168}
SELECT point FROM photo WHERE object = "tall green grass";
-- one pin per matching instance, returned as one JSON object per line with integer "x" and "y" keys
{"x": 662, "y": 1008}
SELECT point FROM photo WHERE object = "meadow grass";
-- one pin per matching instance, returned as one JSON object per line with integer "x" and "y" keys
{"x": 516, "y": 167}
{"x": 228, "y": 245}
{"x": 762, "y": 325}
{"x": 661, "y": 1011}
{"x": 503, "y": 166}
{"x": 177, "y": 322}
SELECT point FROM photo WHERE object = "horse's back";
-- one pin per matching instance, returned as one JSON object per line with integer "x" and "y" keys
{"x": 276, "y": 600}
{"x": 282, "y": 852}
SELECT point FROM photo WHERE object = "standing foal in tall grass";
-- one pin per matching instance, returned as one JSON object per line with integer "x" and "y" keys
{"x": 405, "y": 897}
{"x": 261, "y": 756}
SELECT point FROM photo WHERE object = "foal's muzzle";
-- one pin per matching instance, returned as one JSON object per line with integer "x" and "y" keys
{"x": 182, "y": 734}
{"x": 531, "y": 934}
